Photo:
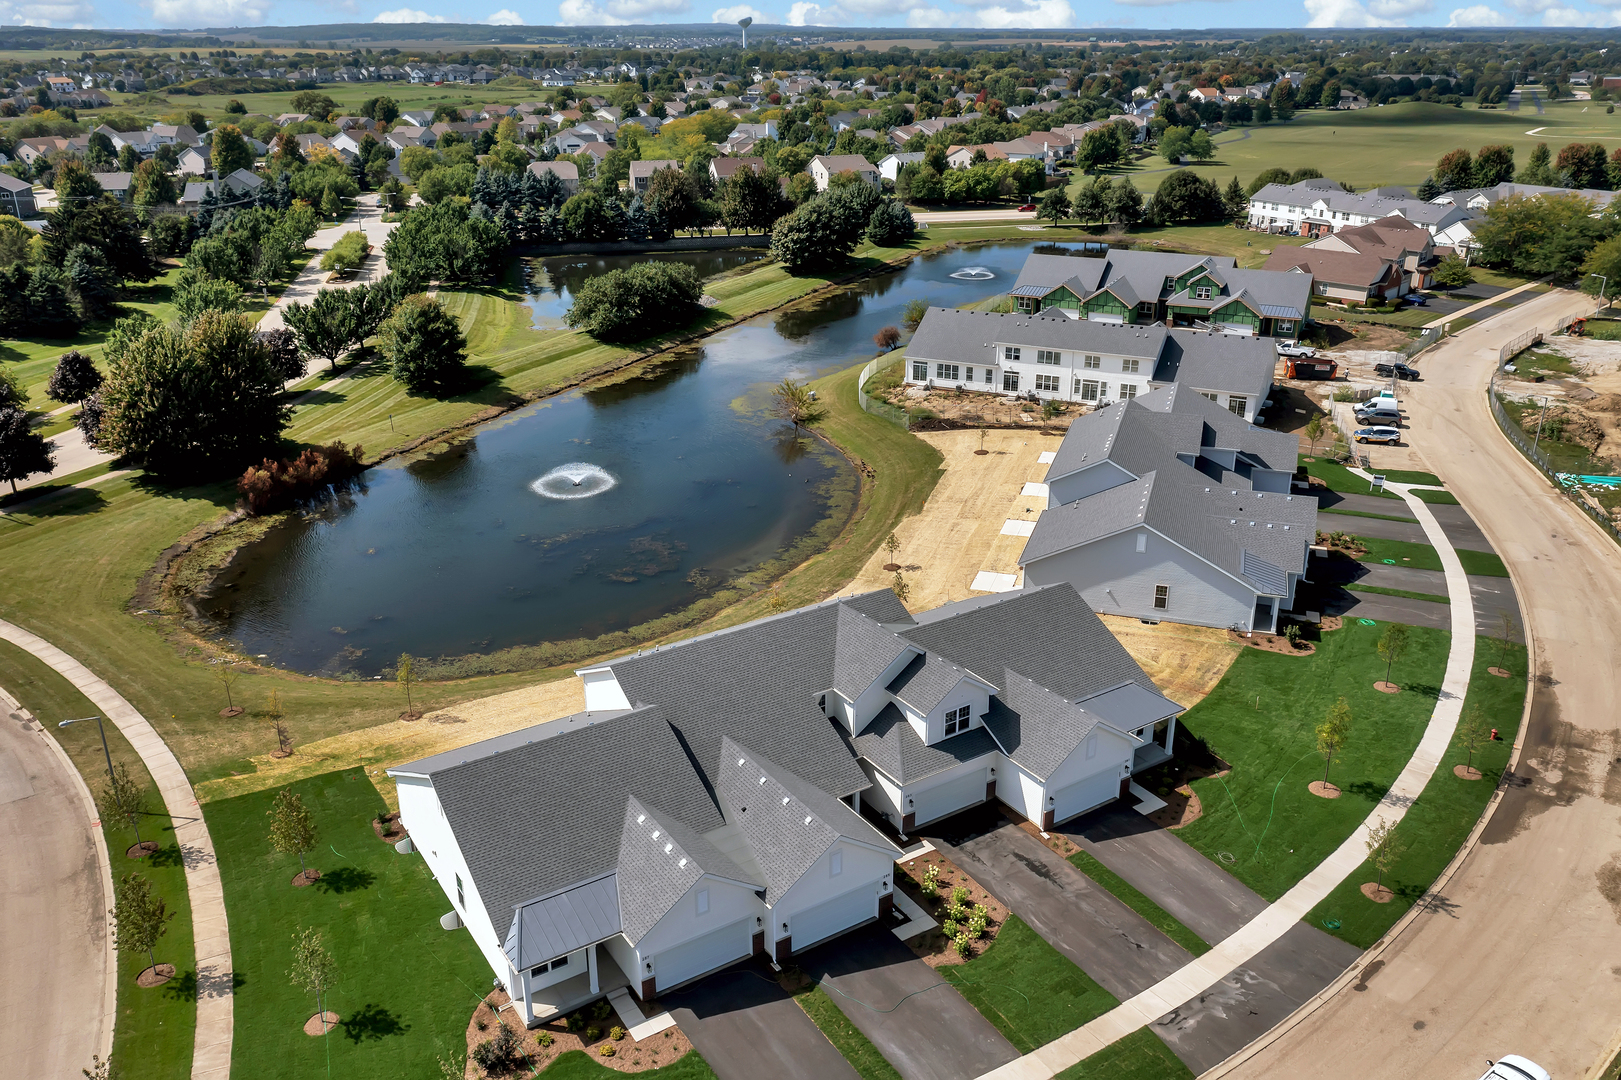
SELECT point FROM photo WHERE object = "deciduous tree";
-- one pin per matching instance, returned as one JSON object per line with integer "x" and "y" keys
{"x": 793, "y": 402}
{"x": 123, "y": 795}
{"x": 1455, "y": 169}
{"x": 1392, "y": 647}
{"x": 424, "y": 344}
{"x": 313, "y": 970}
{"x": 23, "y": 451}
{"x": 74, "y": 378}
{"x": 140, "y": 918}
{"x": 1333, "y": 733}
{"x": 292, "y": 829}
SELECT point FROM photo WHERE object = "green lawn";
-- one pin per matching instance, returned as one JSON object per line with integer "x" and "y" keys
{"x": 1260, "y": 822}
{"x": 406, "y": 989}
{"x": 1440, "y": 820}
{"x": 1339, "y": 478}
{"x": 1436, "y": 498}
{"x": 1127, "y": 894}
{"x": 1412, "y": 476}
{"x": 1424, "y": 557}
{"x": 1139, "y": 1056}
{"x": 577, "y": 1065}
{"x": 1027, "y": 988}
{"x": 153, "y": 1036}
{"x": 1436, "y": 598}
{"x": 1366, "y": 514}
{"x": 857, "y": 1049}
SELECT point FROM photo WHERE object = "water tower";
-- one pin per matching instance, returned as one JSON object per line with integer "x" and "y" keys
{"x": 745, "y": 23}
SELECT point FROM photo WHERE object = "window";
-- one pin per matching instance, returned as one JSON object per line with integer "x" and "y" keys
{"x": 988, "y": 375}
{"x": 1285, "y": 326}
{"x": 1142, "y": 541}
{"x": 1130, "y": 365}
{"x": 1237, "y": 405}
{"x": 1201, "y": 292}
{"x": 956, "y": 720}
{"x": 1084, "y": 387}
{"x": 1128, "y": 390}
{"x": 1010, "y": 352}
{"x": 1207, "y": 395}
{"x": 551, "y": 965}
{"x": 946, "y": 371}
{"x": 920, "y": 370}
{"x": 1047, "y": 383}
{"x": 703, "y": 901}
{"x": 1047, "y": 356}
{"x": 1170, "y": 284}
{"x": 968, "y": 374}
{"x": 1146, "y": 308}
{"x": 835, "y": 864}
{"x": 1162, "y": 597}
{"x": 461, "y": 901}
{"x": 1010, "y": 381}
{"x": 1092, "y": 362}
{"x": 1027, "y": 304}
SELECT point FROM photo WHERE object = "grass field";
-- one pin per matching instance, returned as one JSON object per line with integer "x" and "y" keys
{"x": 1139, "y": 1056}
{"x": 405, "y": 989}
{"x": 1440, "y": 820}
{"x": 152, "y": 1038}
{"x": 1392, "y": 144}
{"x": 1260, "y": 822}
{"x": 857, "y": 1049}
{"x": 1027, "y": 988}
{"x": 1127, "y": 894}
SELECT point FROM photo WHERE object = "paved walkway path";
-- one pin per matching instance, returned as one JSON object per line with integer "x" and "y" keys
{"x": 1484, "y": 304}
{"x": 1193, "y": 980}
{"x": 211, "y": 1054}
{"x": 61, "y": 994}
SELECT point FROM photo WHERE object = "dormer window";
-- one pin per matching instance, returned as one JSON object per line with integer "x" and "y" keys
{"x": 957, "y": 720}
{"x": 1201, "y": 292}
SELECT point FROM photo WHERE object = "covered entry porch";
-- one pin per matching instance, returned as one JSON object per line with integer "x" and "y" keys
{"x": 539, "y": 1000}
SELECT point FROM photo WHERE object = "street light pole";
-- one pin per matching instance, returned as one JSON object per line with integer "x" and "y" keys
{"x": 1603, "y": 284}
{"x": 105, "y": 752}
{"x": 1540, "y": 418}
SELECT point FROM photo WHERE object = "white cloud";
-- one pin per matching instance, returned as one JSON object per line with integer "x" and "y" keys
{"x": 1024, "y": 13}
{"x": 1399, "y": 9}
{"x": 1327, "y": 13}
{"x": 736, "y": 12}
{"x": 505, "y": 17}
{"x": 208, "y": 12}
{"x": 66, "y": 13}
{"x": 934, "y": 18}
{"x": 617, "y": 12}
{"x": 1478, "y": 15}
{"x": 406, "y": 15}
{"x": 1559, "y": 15}
{"x": 805, "y": 13}
{"x": 1149, "y": 3}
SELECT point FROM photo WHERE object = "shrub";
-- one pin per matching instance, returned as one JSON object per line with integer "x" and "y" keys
{"x": 500, "y": 1054}
{"x": 544, "y": 1039}
{"x": 977, "y": 923}
{"x": 607, "y": 1049}
{"x": 950, "y": 927}
{"x": 639, "y": 302}
{"x": 601, "y": 1009}
{"x": 74, "y": 378}
{"x": 424, "y": 343}
{"x": 591, "y": 1034}
{"x": 347, "y": 254}
{"x": 959, "y": 896}
{"x": 964, "y": 944}
{"x": 617, "y": 1033}
{"x": 575, "y": 1022}
{"x": 931, "y": 882}
{"x": 273, "y": 484}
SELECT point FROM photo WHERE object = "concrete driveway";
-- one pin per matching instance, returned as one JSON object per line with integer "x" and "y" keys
{"x": 917, "y": 1020}
{"x": 1117, "y": 947}
{"x": 1192, "y": 889}
{"x": 747, "y": 1027}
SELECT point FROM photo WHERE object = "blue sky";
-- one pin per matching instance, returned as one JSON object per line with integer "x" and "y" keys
{"x": 1143, "y": 15}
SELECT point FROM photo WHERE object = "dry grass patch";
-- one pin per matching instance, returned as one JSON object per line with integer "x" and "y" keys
{"x": 1185, "y": 662}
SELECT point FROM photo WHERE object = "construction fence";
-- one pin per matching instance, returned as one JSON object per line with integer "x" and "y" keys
{"x": 876, "y": 406}
{"x": 1528, "y": 446}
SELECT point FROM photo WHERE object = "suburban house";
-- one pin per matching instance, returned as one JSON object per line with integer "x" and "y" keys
{"x": 16, "y": 196}
{"x": 1138, "y": 287}
{"x": 890, "y": 167}
{"x": 724, "y": 168}
{"x": 1319, "y": 207}
{"x": 566, "y": 172}
{"x": 1344, "y": 277}
{"x": 1407, "y": 246}
{"x": 962, "y": 157}
{"x": 729, "y": 795}
{"x": 1087, "y": 361}
{"x": 1170, "y": 507}
{"x": 824, "y": 167}
{"x": 641, "y": 172}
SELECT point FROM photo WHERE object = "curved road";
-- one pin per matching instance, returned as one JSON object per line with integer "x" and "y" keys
{"x": 1521, "y": 951}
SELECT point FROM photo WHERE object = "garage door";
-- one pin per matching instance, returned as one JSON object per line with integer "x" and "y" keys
{"x": 834, "y": 916}
{"x": 715, "y": 949}
{"x": 949, "y": 797}
{"x": 1084, "y": 795}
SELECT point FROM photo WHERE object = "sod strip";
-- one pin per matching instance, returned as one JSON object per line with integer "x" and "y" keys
{"x": 1127, "y": 894}
{"x": 857, "y": 1049}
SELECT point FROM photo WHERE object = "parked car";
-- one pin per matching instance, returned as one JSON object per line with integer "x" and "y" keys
{"x": 1514, "y": 1067}
{"x": 1416, "y": 299}
{"x": 1294, "y": 348}
{"x": 1383, "y": 415}
{"x": 1398, "y": 369}
{"x": 1028, "y": 208}
{"x": 1388, "y": 435}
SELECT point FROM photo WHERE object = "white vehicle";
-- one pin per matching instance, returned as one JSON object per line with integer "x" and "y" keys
{"x": 1514, "y": 1067}
{"x": 1294, "y": 348}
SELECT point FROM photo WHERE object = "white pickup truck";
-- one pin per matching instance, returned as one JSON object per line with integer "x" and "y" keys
{"x": 1514, "y": 1067}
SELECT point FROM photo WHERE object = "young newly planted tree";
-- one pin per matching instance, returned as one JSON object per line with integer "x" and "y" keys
{"x": 292, "y": 830}
{"x": 139, "y": 917}
{"x": 1314, "y": 431}
{"x": 226, "y": 675}
{"x": 1333, "y": 733}
{"x": 901, "y": 587}
{"x": 313, "y": 971}
{"x": 1384, "y": 849}
{"x": 403, "y": 676}
{"x": 1507, "y": 633}
{"x": 1392, "y": 647}
{"x": 1473, "y": 730}
{"x": 892, "y": 545}
{"x": 123, "y": 796}
{"x": 278, "y": 722}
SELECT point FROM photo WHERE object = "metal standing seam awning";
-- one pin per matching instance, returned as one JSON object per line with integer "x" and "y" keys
{"x": 1274, "y": 311}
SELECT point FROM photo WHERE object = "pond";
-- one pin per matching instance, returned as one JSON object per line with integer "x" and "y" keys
{"x": 549, "y": 284}
{"x": 589, "y": 513}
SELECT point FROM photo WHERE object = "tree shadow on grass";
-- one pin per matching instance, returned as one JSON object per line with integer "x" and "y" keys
{"x": 372, "y": 1023}
{"x": 345, "y": 879}
{"x": 218, "y": 487}
{"x": 166, "y": 856}
{"x": 187, "y": 987}
{"x": 53, "y": 500}
{"x": 1367, "y": 789}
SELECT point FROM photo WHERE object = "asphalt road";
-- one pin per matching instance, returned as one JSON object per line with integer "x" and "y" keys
{"x": 1517, "y": 954}
{"x": 53, "y": 933}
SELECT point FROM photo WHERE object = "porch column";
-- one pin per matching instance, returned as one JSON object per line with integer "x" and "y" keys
{"x": 1170, "y": 733}
{"x": 526, "y": 1009}
{"x": 591, "y": 966}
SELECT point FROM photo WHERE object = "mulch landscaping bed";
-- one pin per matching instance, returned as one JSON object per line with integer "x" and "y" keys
{"x": 306, "y": 877}
{"x": 320, "y": 1023}
{"x": 388, "y": 828}
{"x": 141, "y": 850}
{"x": 628, "y": 1055}
{"x": 1173, "y": 782}
{"x": 155, "y": 976}
{"x": 934, "y": 948}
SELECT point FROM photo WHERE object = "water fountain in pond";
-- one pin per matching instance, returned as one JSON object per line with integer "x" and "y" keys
{"x": 973, "y": 273}
{"x": 576, "y": 480}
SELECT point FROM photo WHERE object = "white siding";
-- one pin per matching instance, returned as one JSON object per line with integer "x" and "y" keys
{"x": 1116, "y": 579}
{"x": 967, "y": 692}
{"x": 686, "y": 961}
{"x": 1079, "y": 485}
{"x": 860, "y": 867}
{"x": 884, "y": 794}
{"x": 728, "y": 902}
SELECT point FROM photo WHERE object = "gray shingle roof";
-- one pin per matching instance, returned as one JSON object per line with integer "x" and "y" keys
{"x": 787, "y": 822}
{"x": 1036, "y": 727}
{"x": 1228, "y": 363}
{"x": 968, "y": 337}
{"x": 864, "y": 648}
{"x": 892, "y": 744}
{"x": 659, "y": 860}
{"x": 522, "y": 838}
{"x": 558, "y": 924}
{"x": 1074, "y": 654}
{"x": 1221, "y": 428}
{"x": 925, "y": 681}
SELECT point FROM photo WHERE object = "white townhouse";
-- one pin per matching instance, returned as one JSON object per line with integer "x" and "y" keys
{"x": 1320, "y": 207}
{"x": 733, "y": 795}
